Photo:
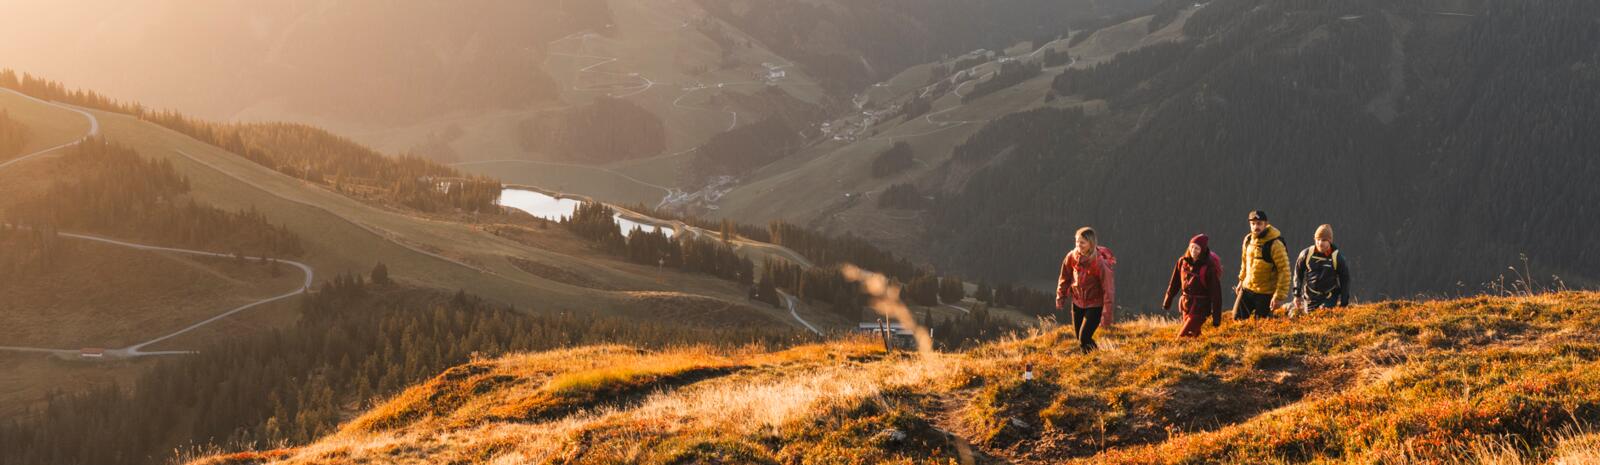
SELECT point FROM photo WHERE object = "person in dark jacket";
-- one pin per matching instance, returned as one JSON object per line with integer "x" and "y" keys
{"x": 1197, "y": 282}
{"x": 1321, "y": 275}
{"x": 1088, "y": 285}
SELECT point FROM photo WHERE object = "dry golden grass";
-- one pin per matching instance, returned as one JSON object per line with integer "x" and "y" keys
{"x": 612, "y": 404}
{"x": 1485, "y": 380}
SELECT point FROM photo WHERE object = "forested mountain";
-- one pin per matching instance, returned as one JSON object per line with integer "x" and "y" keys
{"x": 848, "y": 45}
{"x": 604, "y": 131}
{"x": 118, "y": 192}
{"x": 357, "y": 341}
{"x": 746, "y": 148}
{"x": 303, "y": 151}
{"x": 1440, "y": 139}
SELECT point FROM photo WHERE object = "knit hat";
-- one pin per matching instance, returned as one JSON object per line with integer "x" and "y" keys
{"x": 1324, "y": 232}
{"x": 1201, "y": 240}
{"x": 1258, "y": 215}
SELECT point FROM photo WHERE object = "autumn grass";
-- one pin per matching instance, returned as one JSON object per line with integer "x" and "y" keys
{"x": 1509, "y": 380}
{"x": 1418, "y": 382}
{"x": 611, "y": 404}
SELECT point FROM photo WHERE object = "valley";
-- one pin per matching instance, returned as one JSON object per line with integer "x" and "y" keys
{"x": 795, "y": 232}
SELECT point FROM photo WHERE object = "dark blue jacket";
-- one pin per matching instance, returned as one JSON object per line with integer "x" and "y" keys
{"x": 1320, "y": 277}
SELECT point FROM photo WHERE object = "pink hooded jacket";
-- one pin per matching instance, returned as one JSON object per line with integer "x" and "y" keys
{"x": 1088, "y": 283}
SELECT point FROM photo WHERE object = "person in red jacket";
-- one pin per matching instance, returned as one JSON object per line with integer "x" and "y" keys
{"x": 1088, "y": 284}
{"x": 1197, "y": 279}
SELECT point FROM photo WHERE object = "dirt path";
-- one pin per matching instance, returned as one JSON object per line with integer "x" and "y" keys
{"x": 944, "y": 418}
{"x": 136, "y": 350}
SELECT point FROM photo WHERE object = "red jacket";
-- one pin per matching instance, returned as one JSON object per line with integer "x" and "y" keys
{"x": 1197, "y": 282}
{"x": 1088, "y": 283}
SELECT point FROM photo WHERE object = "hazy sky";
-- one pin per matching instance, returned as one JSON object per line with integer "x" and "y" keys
{"x": 228, "y": 59}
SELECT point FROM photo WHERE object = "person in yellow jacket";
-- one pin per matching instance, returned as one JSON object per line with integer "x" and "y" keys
{"x": 1264, "y": 273}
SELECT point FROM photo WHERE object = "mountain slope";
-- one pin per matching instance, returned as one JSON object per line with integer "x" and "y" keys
{"x": 511, "y": 259}
{"x": 1418, "y": 129}
{"x": 1408, "y": 126}
{"x": 850, "y": 45}
{"x": 1394, "y": 382}
{"x": 811, "y": 186}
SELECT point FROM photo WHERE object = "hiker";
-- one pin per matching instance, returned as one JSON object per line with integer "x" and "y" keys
{"x": 1321, "y": 276}
{"x": 1263, "y": 270}
{"x": 1197, "y": 279}
{"x": 1087, "y": 284}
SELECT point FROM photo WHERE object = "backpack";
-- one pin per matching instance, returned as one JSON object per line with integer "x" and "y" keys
{"x": 1310, "y": 253}
{"x": 1111, "y": 260}
{"x": 1265, "y": 254}
{"x": 1105, "y": 256}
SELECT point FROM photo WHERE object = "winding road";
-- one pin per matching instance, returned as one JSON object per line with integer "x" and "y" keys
{"x": 94, "y": 128}
{"x": 137, "y": 350}
{"x": 789, "y": 299}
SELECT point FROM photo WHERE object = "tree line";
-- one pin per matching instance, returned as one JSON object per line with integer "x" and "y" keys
{"x": 597, "y": 223}
{"x": 316, "y": 155}
{"x": 1124, "y": 71}
{"x": 903, "y": 196}
{"x": 29, "y": 250}
{"x": 891, "y": 161}
{"x": 1010, "y": 74}
{"x": 824, "y": 283}
{"x": 115, "y": 191}
{"x": 304, "y": 152}
{"x": 746, "y": 148}
{"x": 604, "y": 131}
{"x": 357, "y": 342}
{"x": 13, "y": 136}
{"x": 46, "y": 89}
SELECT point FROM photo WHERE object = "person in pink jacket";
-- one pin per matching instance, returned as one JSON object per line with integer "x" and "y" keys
{"x": 1088, "y": 284}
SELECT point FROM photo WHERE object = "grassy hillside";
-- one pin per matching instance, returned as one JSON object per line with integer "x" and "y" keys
{"x": 673, "y": 60}
{"x": 345, "y": 235}
{"x": 810, "y": 187}
{"x": 45, "y": 127}
{"x": 1479, "y": 380}
{"x": 510, "y": 259}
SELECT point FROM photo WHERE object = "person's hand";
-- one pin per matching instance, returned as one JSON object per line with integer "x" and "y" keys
{"x": 1236, "y": 289}
{"x": 1277, "y": 302}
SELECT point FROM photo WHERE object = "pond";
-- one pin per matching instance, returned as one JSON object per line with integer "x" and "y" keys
{"x": 552, "y": 208}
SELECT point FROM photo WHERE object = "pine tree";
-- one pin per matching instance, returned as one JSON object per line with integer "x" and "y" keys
{"x": 951, "y": 289}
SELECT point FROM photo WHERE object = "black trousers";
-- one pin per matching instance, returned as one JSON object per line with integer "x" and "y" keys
{"x": 1084, "y": 322}
{"x": 1314, "y": 301}
{"x": 1251, "y": 304}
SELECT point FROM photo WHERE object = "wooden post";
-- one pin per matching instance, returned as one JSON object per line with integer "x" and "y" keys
{"x": 883, "y": 328}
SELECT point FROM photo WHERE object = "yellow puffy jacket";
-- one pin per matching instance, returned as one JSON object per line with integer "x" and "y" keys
{"x": 1261, "y": 274}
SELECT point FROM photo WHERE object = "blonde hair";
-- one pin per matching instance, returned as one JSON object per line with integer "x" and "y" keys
{"x": 1324, "y": 232}
{"x": 1087, "y": 233}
